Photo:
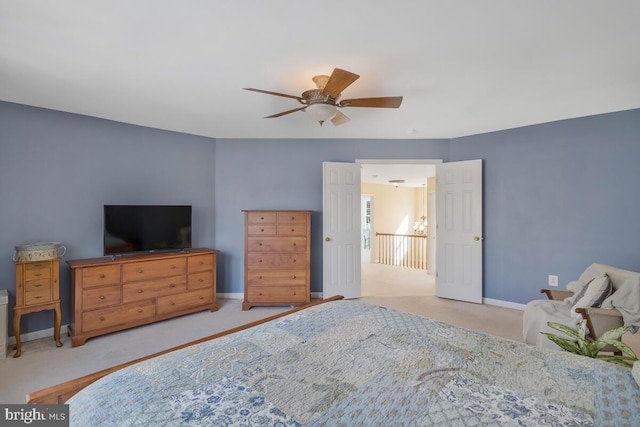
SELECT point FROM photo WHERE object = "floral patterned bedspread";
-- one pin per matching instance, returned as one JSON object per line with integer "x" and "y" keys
{"x": 354, "y": 364}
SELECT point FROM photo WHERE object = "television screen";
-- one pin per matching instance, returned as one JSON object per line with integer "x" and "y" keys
{"x": 140, "y": 228}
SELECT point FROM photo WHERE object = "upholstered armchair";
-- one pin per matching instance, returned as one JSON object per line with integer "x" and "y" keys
{"x": 606, "y": 297}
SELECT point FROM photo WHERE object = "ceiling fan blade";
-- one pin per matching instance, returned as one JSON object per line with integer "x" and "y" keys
{"x": 381, "y": 102}
{"x": 274, "y": 93}
{"x": 285, "y": 112}
{"x": 340, "y": 119}
{"x": 338, "y": 81}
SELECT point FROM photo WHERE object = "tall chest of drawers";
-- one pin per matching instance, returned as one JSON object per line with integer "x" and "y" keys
{"x": 277, "y": 258}
{"x": 110, "y": 295}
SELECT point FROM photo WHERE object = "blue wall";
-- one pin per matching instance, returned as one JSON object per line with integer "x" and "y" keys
{"x": 557, "y": 196}
{"x": 57, "y": 170}
{"x": 287, "y": 174}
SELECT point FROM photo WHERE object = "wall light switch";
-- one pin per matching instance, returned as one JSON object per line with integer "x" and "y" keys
{"x": 553, "y": 280}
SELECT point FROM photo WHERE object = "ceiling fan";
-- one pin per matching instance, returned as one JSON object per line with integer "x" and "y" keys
{"x": 323, "y": 102}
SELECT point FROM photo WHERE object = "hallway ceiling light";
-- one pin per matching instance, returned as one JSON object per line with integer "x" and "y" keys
{"x": 396, "y": 182}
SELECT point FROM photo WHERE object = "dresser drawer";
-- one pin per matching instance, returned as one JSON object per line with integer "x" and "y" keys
{"x": 37, "y": 291}
{"x": 38, "y": 285}
{"x": 119, "y": 315}
{"x": 292, "y": 218}
{"x": 261, "y": 230}
{"x": 184, "y": 301}
{"x": 261, "y": 217}
{"x": 100, "y": 276}
{"x": 37, "y": 270}
{"x": 105, "y": 296}
{"x": 274, "y": 294}
{"x": 286, "y": 230}
{"x": 200, "y": 263}
{"x": 276, "y": 244}
{"x": 152, "y": 269}
{"x": 276, "y": 277}
{"x": 200, "y": 280}
{"x": 270, "y": 260}
{"x": 136, "y": 291}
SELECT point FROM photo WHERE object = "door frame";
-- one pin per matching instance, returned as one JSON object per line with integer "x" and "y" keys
{"x": 371, "y": 239}
{"x": 389, "y": 162}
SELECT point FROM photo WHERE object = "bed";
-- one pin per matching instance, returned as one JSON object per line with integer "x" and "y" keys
{"x": 346, "y": 362}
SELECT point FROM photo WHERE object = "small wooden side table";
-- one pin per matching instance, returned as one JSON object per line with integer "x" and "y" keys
{"x": 37, "y": 289}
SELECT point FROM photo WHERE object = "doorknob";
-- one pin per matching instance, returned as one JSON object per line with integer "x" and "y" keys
{"x": 327, "y": 239}
{"x": 476, "y": 238}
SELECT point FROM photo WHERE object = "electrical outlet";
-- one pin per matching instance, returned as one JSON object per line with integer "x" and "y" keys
{"x": 553, "y": 280}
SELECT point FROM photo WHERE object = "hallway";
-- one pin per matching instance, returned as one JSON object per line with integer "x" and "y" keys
{"x": 385, "y": 280}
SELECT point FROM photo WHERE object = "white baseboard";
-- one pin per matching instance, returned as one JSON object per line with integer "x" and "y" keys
{"x": 236, "y": 295}
{"x": 505, "y": 304}
{"x": 36, "y": 335}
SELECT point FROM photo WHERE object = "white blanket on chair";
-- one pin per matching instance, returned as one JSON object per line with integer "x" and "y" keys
{"x": 627, "y": 300}
{"x": 536, "y": 315}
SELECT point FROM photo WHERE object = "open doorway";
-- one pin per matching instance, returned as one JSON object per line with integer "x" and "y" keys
{"x": 397, "y": 216}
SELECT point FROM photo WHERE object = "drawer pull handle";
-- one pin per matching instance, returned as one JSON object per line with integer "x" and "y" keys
{"x": 173, "y": 267}
{"x": 294, "y": 260}
{"x": 102, "y": 297}
{"x": 102, "y": 318}
{"x": 139, "y": 310}
{"x": 38, "y": 274}
{"x": 102, "y": 276}
{"x": 293, "y": 229}
{"x": 38, "y": 297}
{"x": 201, "y": 262}
{"x": 201, "y": 280}
{"x": 38, "y": 285}
{"x": 295, "y": 244}
{"x": 260, "y": 294}
{"x": 294, "y": 277}
{"x": 201, "y": 297}
{"x": 261, "y": 217}
{"x": 173, "y": 303}
{"x": 262, "y": 229}
{"x": 140, "y": 271}
{"x": 260, "y": 261}
{"x": 140, "y": 291}
{"x": 293, "y": 218}
{"x": 173, "y": 285}
{"x": 260, "y": 244}
{"x": 294, "y": 294}
{"x": 260, "y": 277}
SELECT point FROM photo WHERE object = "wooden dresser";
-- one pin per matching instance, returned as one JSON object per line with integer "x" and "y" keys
{"x": 277, "y": 258}
{"x": 37, "y": 289}
{"x": 109, "y": 295}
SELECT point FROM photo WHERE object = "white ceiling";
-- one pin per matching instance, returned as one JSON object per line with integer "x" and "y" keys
{"x": 413, "y": 174}
{"x": 463, "y": 67}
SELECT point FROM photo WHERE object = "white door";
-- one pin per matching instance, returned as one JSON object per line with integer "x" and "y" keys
{"x": 341, "y": 229}
{"x": 459, "y": 230}
{"x": 431, "y": 232}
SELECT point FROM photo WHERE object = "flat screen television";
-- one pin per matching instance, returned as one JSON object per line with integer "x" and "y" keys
{"x": 146, "y": 228}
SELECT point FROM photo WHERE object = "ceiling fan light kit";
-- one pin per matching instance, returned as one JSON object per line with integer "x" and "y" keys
{"x": 321, "y": 112}
{"x": 323, "y": 103}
